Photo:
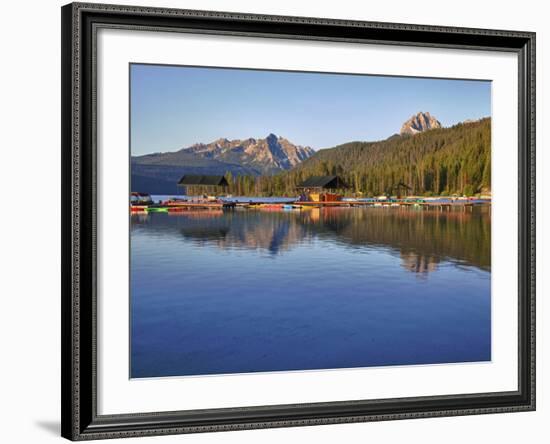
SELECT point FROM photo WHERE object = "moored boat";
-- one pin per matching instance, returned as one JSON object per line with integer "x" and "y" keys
{"x": 139, "y": 202}
{"x": 157, "y": 209}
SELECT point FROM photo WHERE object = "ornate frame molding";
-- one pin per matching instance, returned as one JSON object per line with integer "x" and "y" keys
{"x": 79, "y": 395}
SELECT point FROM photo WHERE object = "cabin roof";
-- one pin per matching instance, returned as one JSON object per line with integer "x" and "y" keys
{"x": 191, "y": 179}
{"x": 329, "y": 182}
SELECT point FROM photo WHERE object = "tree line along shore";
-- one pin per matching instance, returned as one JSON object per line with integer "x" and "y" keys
{"x": 439, "y": 162}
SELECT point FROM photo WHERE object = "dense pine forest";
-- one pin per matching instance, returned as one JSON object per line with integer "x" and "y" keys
{"x": 444, "y": 161}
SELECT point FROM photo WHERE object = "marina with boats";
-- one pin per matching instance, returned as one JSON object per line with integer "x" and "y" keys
{"x": 315, "y": 192}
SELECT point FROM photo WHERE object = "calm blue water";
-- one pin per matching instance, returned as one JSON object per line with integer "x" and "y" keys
{"x": 251, "y": 291}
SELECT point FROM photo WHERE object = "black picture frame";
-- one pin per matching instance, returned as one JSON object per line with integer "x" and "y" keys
{"x": 80, "y": 420}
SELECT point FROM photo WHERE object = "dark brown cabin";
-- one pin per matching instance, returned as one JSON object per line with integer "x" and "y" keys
{"x": 321, "y": 188}
{"x": 203, "y": 184}
{"x": 323, "y": 182}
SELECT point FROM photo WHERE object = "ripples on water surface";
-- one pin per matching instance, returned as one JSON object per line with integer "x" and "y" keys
{"x": 217, "y": 292}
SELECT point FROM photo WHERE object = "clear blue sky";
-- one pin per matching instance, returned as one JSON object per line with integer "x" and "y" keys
{"x": 175, "y": 107}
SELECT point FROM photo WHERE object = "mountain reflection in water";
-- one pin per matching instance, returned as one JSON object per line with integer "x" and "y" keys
{"x": 421, "y": 237}
{"x": 217, "y": 292}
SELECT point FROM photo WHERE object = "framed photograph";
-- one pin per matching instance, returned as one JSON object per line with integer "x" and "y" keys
{"x": 282, "y": 221}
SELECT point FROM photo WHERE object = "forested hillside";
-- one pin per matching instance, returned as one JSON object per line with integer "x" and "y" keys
{"x": 442, "y": 161}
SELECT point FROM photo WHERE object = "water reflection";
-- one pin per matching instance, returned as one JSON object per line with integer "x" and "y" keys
{"x": 418, "y": 263}
{"x": 421, "y": 238}
{"x": 252, "y": 290}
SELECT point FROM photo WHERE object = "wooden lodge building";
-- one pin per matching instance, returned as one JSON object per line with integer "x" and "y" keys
{"x": 321, "y": 188}
{"x": 203, "y": 184}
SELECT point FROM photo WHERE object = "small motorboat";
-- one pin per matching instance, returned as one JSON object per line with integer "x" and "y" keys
{"x": 139, "y": 202}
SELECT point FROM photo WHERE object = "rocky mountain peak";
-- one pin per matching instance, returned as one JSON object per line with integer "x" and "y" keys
{"x": 422, "y": 121}
{"x": 269, "y": 155}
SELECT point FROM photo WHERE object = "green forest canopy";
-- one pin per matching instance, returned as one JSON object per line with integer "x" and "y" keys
{"x": 445, "y": 161}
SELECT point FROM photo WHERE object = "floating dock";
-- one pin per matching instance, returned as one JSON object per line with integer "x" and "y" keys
{"x": 422, "y": 204}
{"x": 183, "y": 206}
{"x": 201, "y": 205}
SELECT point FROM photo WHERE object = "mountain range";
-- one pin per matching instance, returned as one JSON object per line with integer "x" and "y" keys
{"x": 421, "y": 145}
{"x": 157, "y": 173}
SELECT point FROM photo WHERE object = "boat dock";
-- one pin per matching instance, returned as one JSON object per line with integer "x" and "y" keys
{"x": 315, "y": 192}
{"x": 185, "y": 206}
{"x": 202, "y": 205}
{"x": 423, "y": 204}
{"x": 437, "y": 204}
{"x": 182, "y": 206}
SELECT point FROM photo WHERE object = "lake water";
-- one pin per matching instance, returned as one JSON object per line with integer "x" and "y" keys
{"x": 217, "y": 292}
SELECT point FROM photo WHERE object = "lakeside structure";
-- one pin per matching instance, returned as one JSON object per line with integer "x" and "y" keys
{"x": 316, "y": 191}
{"x": 321, "y": 189}
{"x": 203, "y": 184}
